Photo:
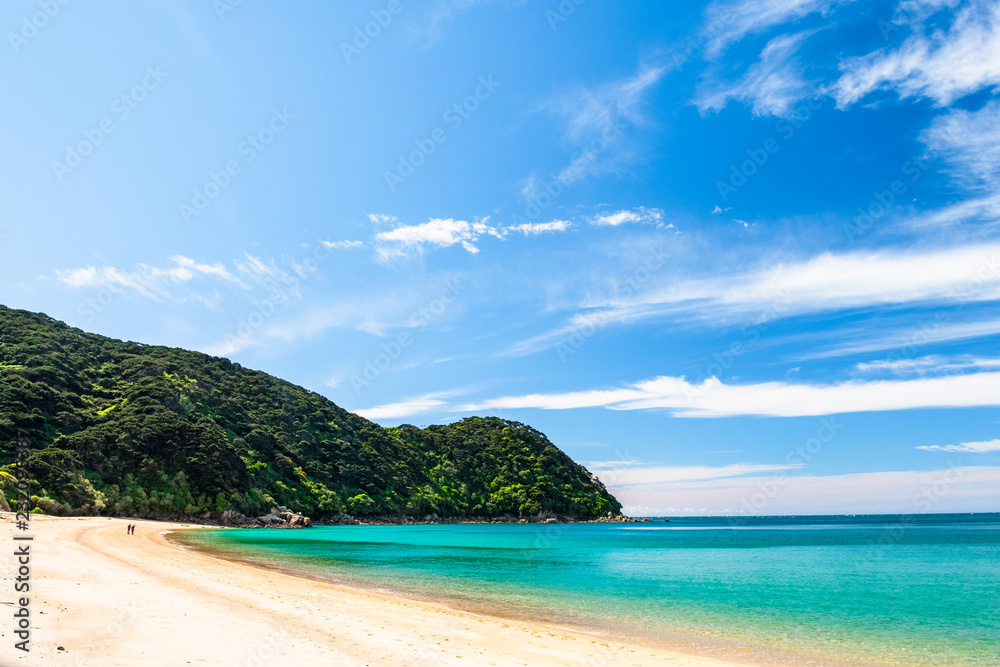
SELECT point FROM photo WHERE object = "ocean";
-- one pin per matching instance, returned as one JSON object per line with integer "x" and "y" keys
{"x": 820, "y": 590}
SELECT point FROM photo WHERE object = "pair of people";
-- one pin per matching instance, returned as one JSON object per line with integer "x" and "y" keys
{"x": 131, "y": 529}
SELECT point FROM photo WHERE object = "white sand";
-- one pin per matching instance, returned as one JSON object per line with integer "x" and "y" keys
{"x": 110, "y": 599}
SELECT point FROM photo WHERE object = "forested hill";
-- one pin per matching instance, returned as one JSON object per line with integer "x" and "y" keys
{"x": 121, "y": 428}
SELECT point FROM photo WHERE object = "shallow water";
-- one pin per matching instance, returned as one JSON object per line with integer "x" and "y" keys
{"x": 909, "y": 590}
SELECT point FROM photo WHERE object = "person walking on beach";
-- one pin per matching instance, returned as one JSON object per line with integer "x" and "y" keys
{"x": 129, "y": 529}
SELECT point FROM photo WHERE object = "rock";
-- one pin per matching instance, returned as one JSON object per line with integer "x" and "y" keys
{"x": 233, "y": 518}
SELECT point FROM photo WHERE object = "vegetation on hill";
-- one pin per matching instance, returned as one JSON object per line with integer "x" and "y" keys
{"x": 121, "y": 428}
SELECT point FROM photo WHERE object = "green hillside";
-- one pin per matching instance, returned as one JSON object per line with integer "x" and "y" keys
{"x": 121, "y": 428}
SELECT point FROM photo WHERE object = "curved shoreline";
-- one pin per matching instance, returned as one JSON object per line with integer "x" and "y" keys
{"x": 693, "y": 645}
{"x": 108, "y": 598}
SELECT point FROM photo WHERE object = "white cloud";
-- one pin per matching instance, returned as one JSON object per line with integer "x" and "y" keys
{"x": 591, "y": 111}
{"x": 343, "y": 245}
{"x": 729, "y": 22}
{"x": 379, "y": 219}
{"x": 713, "y": 398}
{"x": 927, "y": 364}
{"x": 146, "y": 280}
{"x": 641, "y": 215}
{"x": 436, "y": 232}
{"x": 771, "y": 86}
{"x": 967, "y": 447}
{"x": 612, "y": 473}
{"x": 970, "y": 142}
{"x": 536, "y": 228}
{"x": 828, "y": 282}
{"x": 439, "y": 13}
{"x": 833, "y": 282}
{"x": 942, "y": 65}
{"x": 595, "y": 118}
{"x": 413, "y": 406}
{"x": 408, "y": 408}
{"x": 929, "y": 332}
{"x": 983, "y": 210}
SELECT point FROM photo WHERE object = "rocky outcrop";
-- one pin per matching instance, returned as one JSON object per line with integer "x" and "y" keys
{"x": 279, "y": 517}
{"x": 282, "y": 517}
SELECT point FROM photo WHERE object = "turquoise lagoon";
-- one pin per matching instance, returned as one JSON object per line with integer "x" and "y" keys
{"x": 906, "y": 590}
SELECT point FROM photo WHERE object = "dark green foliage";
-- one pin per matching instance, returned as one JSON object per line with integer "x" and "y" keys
{"x": 123, "y": 428}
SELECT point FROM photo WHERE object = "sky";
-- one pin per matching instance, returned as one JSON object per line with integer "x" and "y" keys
{"x": 740, "y": 257}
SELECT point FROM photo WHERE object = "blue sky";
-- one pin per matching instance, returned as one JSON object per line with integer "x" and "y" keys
{"x": 736, "y": 257}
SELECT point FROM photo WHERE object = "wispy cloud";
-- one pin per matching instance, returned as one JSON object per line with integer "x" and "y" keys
{"x": 612, "y": 472}
{"x": 439, "y": 13}
{"x": 413, "y": 406}
{"x": 967, "y": 447}
{"x": 594, "y": 120}
{"x": 536, "y": 228}
{"x": 713, "y": 398}
{"x": 343, "y": 245}
{"x": 970, "y": 142}
{"x": 153, "y": 282}
{"x": 591, "y": 111}
{"x": 407, "y": 408}
{"x": 640, "y": 216}
{"x": 930, "y": 364}
{"x": 985, "y": 211}
{"x": 729, "y": 22}
{"x": 772, "y": 85}
{"x": 828, "y": 282}
{"x": 940, "y": 65}
{"x": 930, "y": 332}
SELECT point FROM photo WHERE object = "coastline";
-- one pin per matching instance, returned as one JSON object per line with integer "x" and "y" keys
{"x": 109, "y": 598}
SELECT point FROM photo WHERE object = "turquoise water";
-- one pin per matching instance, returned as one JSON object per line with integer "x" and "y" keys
{"x": 904, "y": 590}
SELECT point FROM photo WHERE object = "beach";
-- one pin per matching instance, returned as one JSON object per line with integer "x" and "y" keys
{"x": 109, "y": 598}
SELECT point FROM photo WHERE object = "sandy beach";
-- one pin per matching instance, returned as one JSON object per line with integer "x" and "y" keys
{"x": 109, "y": 598}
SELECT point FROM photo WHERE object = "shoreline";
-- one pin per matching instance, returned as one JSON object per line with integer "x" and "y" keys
{"x": 108, "y": 598}
{"x": 690, "y": 644}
